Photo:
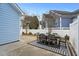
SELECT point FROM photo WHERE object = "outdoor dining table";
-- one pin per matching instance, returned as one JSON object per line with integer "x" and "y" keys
{"x": 57, "y": 39}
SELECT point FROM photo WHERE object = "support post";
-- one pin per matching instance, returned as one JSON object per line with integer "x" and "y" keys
{"x": 60, "y": 23}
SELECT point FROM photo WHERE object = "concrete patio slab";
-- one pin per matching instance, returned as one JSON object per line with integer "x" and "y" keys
{"x": 21, "y": 48}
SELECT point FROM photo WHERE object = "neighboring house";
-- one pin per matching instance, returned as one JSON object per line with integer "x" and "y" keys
{"x": 58, "y": 19}
{"x": 9, "y": 22}
{"x": 63, "y": 23}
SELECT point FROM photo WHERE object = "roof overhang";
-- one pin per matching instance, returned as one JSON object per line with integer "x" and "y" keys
{"x": 18, "y": 9}
{"x": 67, "y": 15}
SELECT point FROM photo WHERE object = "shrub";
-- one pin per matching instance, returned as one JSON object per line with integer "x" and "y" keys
{"x": 34, "y": 34}
{"x": 23, "y": 33}
{"x": 30, "y": 33}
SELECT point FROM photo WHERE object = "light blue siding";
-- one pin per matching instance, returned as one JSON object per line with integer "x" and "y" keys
{"x": 9, "y": 24}
{"x": 66, "y": 22}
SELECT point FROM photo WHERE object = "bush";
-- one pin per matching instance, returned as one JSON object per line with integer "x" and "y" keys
{"x": 34, "y": 34}
{"x": 30, "y": 33}
{"x": 23, "y": 33}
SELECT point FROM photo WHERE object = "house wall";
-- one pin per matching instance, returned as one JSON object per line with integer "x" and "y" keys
{"x": 9, "y": 24}
{"x": 58, "y": 22}
{"x": 65, "y": 22}
{"x": 74, "y": 32}
{"x": 51, "y": 23}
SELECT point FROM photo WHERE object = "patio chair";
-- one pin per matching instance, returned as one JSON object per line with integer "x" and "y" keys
{"x": 54, "y": 33}
{"x": 64, "y": 40}
{"x": 67, "y": 37}
{"x": 57, "y": 37}
{"x": 39, "y": 38}
{"x": 42, "y": 38}
{"x": 51, "y": 39}
{"x": 54, "y": 39}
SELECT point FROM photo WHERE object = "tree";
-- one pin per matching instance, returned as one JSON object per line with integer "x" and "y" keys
{"x": 30, "y": 22}
{"x": 25, "y": 22}
{"x": 34, "y": 23}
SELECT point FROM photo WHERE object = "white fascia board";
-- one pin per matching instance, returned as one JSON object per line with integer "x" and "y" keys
{"x": 17, "y": 7}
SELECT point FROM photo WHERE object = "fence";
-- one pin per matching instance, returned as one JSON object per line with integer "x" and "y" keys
{"x": 62, "y": 33}
{"x": 74, "y": 35}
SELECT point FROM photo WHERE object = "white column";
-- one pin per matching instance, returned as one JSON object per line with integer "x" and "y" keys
{"x": 60, "y": 23}
{"x": 46, "y": 24}
{"x": 40, "y": 26}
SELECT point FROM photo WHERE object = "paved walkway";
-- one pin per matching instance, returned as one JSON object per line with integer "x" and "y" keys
{"x": 21, "y": 48}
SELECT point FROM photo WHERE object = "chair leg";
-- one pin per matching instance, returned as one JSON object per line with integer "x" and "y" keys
{"x": 49, "y": 43}
{"x": 59, "y": 45}
{"x": 65, "y": 44}
{"x": 44, "y": 42}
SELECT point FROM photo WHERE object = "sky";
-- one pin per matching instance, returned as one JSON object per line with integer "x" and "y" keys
{"x": 40, "y": 8}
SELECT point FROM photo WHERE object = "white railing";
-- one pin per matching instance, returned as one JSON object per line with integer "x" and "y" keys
{"x": 65, "y": 28}
{"x": 54, "y": 30}
{"x": 62, "y": 33}
{"x": 58, "y": 28}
